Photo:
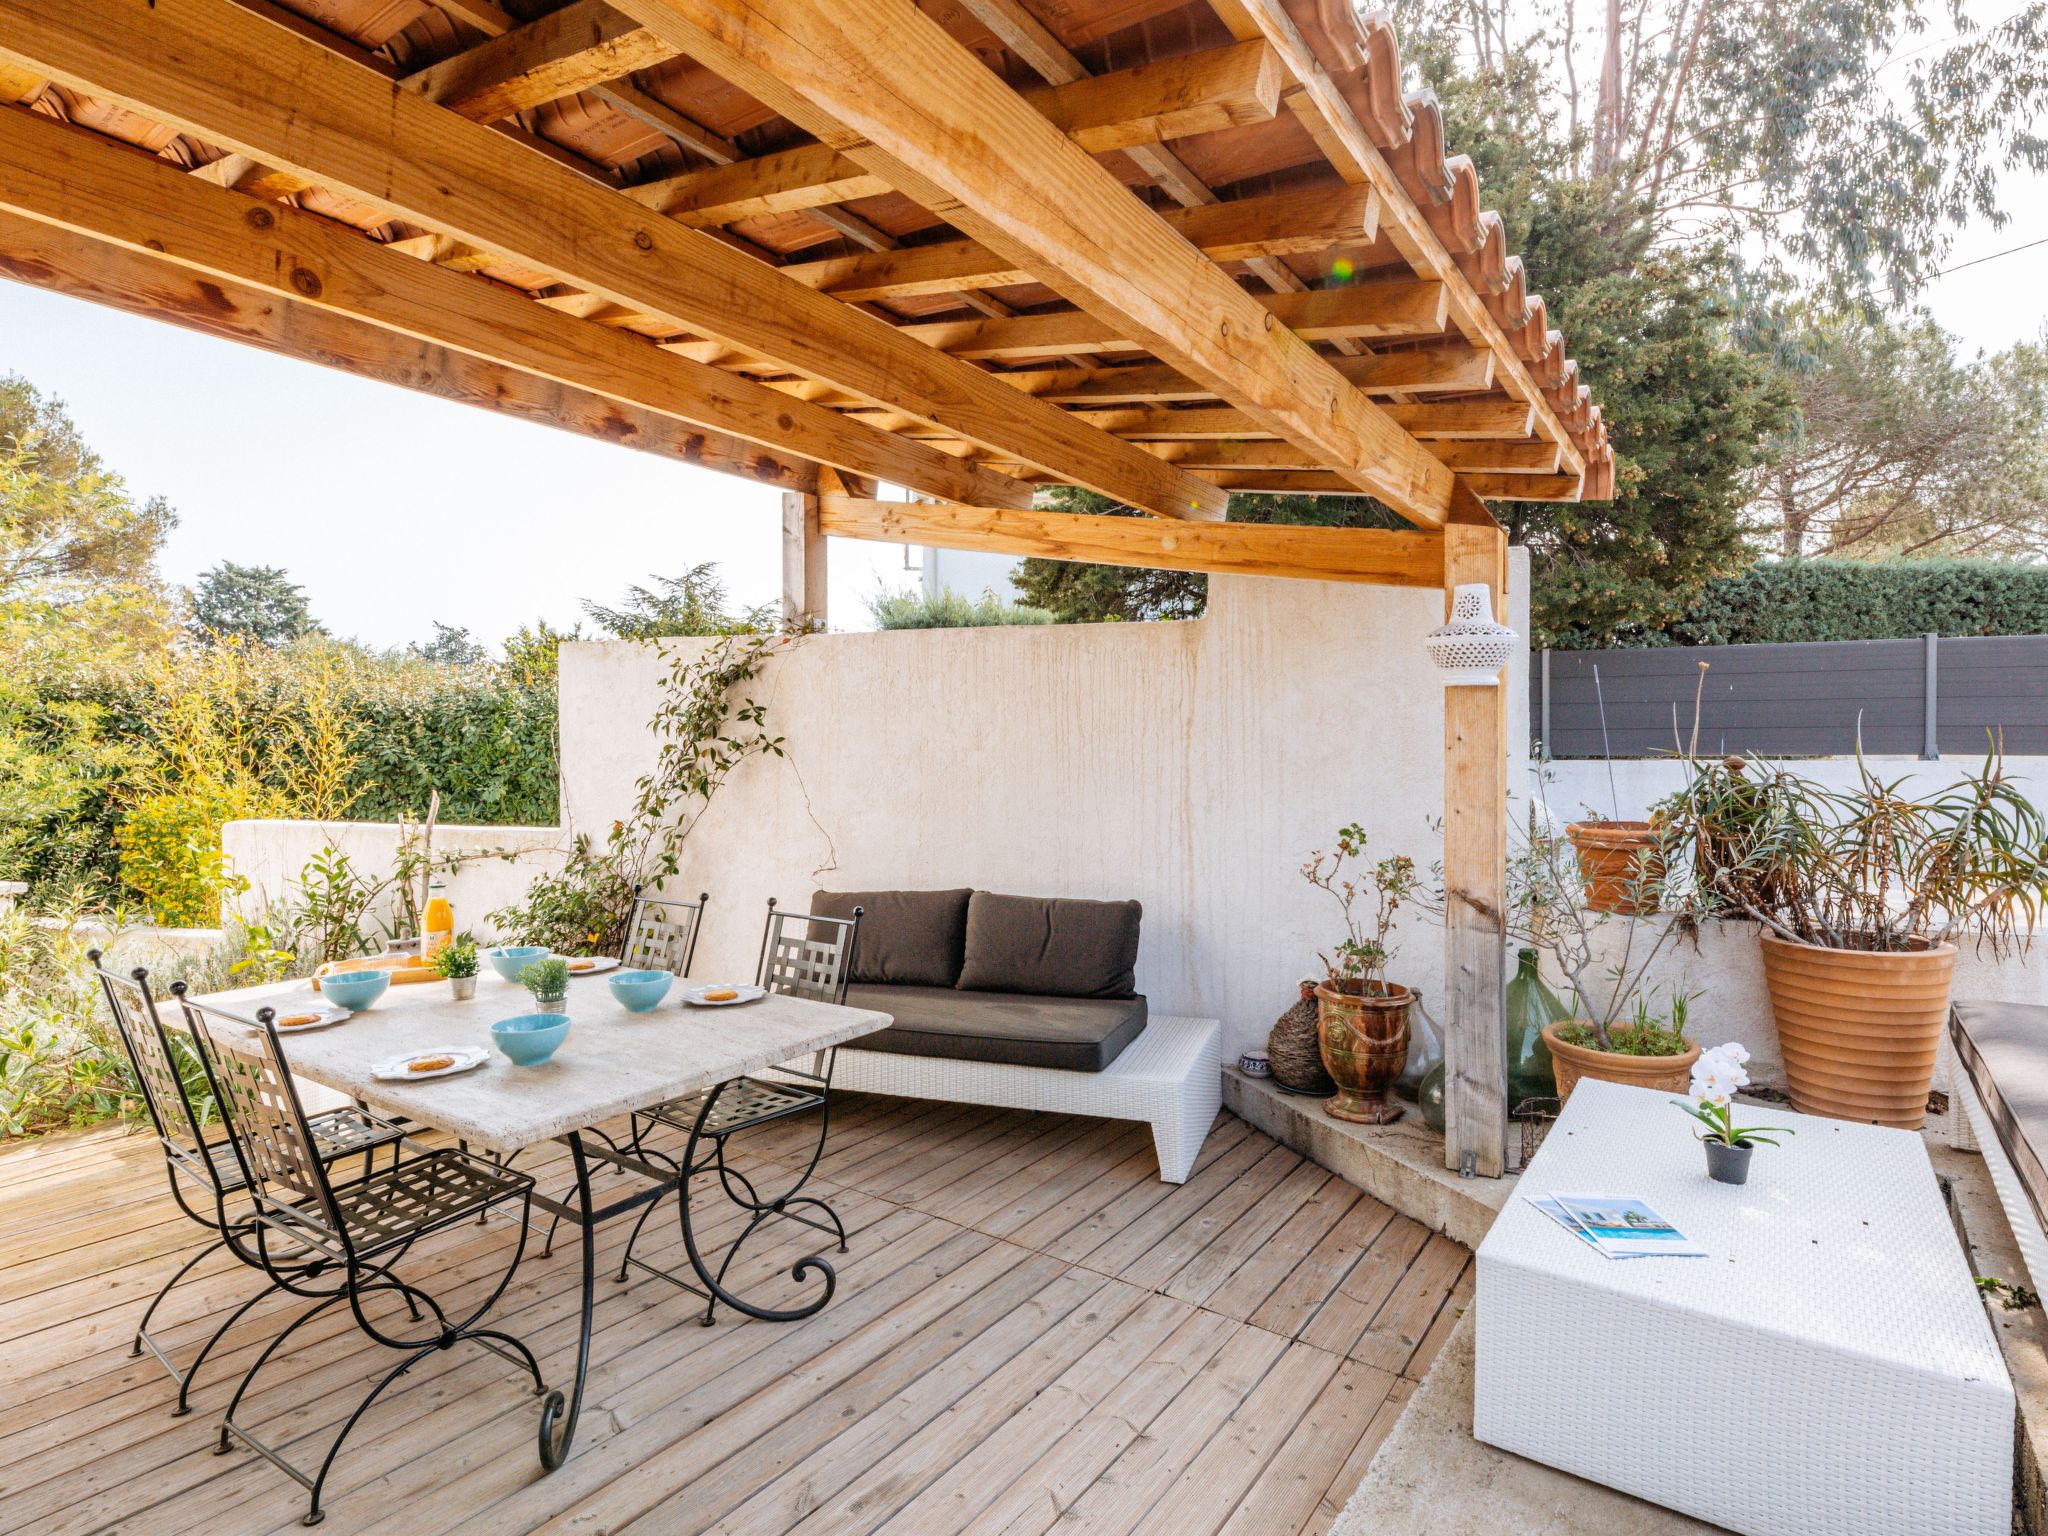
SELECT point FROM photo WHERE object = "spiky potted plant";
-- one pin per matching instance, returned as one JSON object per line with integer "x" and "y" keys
{"x": 1362, "y": 1023}
{"x": 1863, "y": 894}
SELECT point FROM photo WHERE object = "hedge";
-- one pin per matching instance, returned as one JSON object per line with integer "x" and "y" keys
{"x": 1778, "y": 602}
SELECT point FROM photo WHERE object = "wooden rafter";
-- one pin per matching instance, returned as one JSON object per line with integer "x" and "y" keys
{"x": 68, "y": 178}
{"x": 859, "y": 74}
{"x": 1454, "y": 368}
{"x": 211, "y": 69}
{"x": 1249, "y": 549}
{"x": 146, "y": 284}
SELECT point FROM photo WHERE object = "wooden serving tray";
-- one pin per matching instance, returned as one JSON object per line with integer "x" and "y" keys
{"x": 404, "y": 969}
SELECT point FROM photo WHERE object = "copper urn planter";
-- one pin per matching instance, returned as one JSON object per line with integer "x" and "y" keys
{"x": 1364, "y": 1039}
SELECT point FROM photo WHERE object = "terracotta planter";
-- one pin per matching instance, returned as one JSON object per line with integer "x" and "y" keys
{"x": 1364, "y": 1041}
{"x": 1859, "y": 1029}
{"x": 1666, "y": 1074}
{"x": 1620, "y": 864}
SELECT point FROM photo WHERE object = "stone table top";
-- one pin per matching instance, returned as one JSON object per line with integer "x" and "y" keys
{"x": 613, "y": 1061}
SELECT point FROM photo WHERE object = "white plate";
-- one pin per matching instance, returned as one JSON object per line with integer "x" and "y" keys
{"x": 393, "y": 1071}
{"x": 696, "y": 999}
{"x": 599, "y": 964}
{"x": 323, "y": 1015}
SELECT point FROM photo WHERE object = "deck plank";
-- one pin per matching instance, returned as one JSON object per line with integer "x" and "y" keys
{"x": 1031, "y": 1333}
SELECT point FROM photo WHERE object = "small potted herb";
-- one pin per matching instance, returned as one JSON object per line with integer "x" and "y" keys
{"x": 1715, "y": 1077}
{"x": 548, "y": 981}
{"x": 457, "y": 962}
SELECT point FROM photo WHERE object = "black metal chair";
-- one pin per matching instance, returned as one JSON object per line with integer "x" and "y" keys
{"x": 802, "y": 955}
{"x": 361, "y": 1228}
{"x": 205, "y": 1167}
{"x": 661, "y": 934}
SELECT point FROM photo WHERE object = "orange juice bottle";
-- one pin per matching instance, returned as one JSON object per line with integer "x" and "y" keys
{"x": 439, "y": 922}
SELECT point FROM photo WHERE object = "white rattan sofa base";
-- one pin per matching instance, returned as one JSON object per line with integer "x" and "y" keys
{"x": 1171, "y": 1076}
{"x": 1827, "y": 1369}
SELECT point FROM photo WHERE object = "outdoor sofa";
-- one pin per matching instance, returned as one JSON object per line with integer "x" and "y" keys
{"x": 1024, "y": 1002}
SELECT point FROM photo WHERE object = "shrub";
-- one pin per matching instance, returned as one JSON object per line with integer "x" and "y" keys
{"x": 949, "y": 610}
{"x": 1783, "y": 601}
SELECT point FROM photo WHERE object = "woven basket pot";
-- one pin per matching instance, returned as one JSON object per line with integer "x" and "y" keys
{"x": 1859, "y": 1029}
{"x": 1666, "y": 1074}
{"x": 1364, "y": 1038}
{"x": 1620, "y": 864}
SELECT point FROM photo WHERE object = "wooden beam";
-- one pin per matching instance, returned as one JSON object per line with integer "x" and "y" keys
{"x": 1475, "y": 874}
{"x": 1519, "y": 487}
{"x": 1535, "y": 459}
{"x": 862, "y": 75}
{"x": 145, "y": 284}
{"x": 1327, "y": 115}
{"x": 1283, "y": 224}
{"x": 1455, "y": 368}
{"x": 77, "y": 180}
{"x": 1193, "y": 94}
{"x": 804, "y": 568}
{"x": 582, "y": 45}
{"x": 1365, "y": 555}
{"x": 209, "y": 68}
{"x": 1389, "y": 311}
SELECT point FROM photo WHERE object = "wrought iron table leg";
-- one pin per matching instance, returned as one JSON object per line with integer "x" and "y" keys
{"x": 558, "y": 1412}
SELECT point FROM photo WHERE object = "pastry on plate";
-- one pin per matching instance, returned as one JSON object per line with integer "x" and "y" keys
{"x": 720, "y": 995}
{"x": 294, "y": 1020}
{"x": 429, "y": 1063}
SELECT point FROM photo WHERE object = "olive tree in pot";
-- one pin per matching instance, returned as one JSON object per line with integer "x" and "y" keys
{"x": 1863, "y": 894}
{"x": 1362, "y": 1023}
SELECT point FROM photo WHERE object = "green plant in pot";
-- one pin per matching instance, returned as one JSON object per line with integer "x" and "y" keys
{"x": 1715, "y": 1078}
{"x": 1864, "y": 894}
{"x": 457, "y": 962}
{"x": 548, "y": 981}
{"x": 1362, "y": 1018}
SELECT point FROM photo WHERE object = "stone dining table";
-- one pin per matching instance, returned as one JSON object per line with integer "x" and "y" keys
{"x": 613, "y": 1062}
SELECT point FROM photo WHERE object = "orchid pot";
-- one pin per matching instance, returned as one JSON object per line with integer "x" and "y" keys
{"x": 1716, "y": 1077}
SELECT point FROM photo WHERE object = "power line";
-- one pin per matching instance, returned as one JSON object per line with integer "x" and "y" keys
{"x": 1978, "y": 261}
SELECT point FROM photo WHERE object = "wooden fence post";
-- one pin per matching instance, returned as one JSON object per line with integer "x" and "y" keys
{"x": 1475, "y": 883}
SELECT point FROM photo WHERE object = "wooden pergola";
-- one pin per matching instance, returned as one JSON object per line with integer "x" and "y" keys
{"x": 1162, "y": 249}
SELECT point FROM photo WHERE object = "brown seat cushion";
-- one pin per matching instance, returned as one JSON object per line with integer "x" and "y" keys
{"x": 907, "y": 938}
{"x": 1074, "y": 1034}
{"x": 1051, "y": 946}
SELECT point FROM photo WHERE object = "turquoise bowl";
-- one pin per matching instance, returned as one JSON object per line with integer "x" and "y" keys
{"x": 531, "y": 1038}
{"x": 638, "y": 991}
{"x": 508, "y": 960}
{"x": 354, "y": 990}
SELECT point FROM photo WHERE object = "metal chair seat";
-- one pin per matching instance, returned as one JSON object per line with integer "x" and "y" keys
{"x": 396, "y": 1205}
{"x": 747, "y": 1101}
{"x": 337, "y": 1134}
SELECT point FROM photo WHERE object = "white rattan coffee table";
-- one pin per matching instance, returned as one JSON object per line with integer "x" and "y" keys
{"x": 1828, "y": 1369}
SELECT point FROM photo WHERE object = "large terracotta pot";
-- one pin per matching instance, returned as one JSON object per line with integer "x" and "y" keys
{"x": 1364, "y": 1039}
{"x": 1666, "y": 1074}
{"x": 1859, "y": 1029}
{"x": 1620, "y": 864}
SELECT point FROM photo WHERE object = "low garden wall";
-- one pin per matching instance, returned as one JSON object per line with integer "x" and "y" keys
{"x": 1191, "y": 765}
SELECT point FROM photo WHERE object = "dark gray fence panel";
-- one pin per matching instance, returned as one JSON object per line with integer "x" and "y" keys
{"x": 1797, "y": 700}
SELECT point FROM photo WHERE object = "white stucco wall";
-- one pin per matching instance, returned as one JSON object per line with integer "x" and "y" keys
{"x": 1191, "y": 765}
{"x": 270, "y": 855}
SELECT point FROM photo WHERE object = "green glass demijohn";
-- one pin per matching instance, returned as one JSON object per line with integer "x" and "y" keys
{"x": 1530, "y": 1006}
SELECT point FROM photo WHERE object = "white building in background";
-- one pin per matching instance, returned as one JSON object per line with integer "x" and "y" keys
{"x": 969, "y": 574}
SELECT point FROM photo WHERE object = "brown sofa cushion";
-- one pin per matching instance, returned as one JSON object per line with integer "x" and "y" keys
{"x": 907, "y": 938}
{"x": 1051, "y": 946}
{"x": 1074, "y": 1034}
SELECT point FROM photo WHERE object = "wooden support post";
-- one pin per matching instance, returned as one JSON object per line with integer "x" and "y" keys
{"x": 803, "y": 561}
{"x": 1475, "y": 882}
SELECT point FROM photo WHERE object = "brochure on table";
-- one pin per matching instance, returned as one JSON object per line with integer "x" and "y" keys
{"x": 1617, "y": 1226}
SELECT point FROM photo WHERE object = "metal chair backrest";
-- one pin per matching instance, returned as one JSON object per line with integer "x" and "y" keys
{"x": 150, "y": 1055}
{"x": 804, "y": 954}
{"x": 661, "y": 935}
{"x": 252, "y": 1082}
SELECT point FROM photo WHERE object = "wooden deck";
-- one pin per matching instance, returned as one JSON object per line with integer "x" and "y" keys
{"x": 1030, "y": 1332}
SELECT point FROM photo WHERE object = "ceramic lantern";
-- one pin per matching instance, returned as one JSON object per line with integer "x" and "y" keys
{"x": 1470, "y": 650}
